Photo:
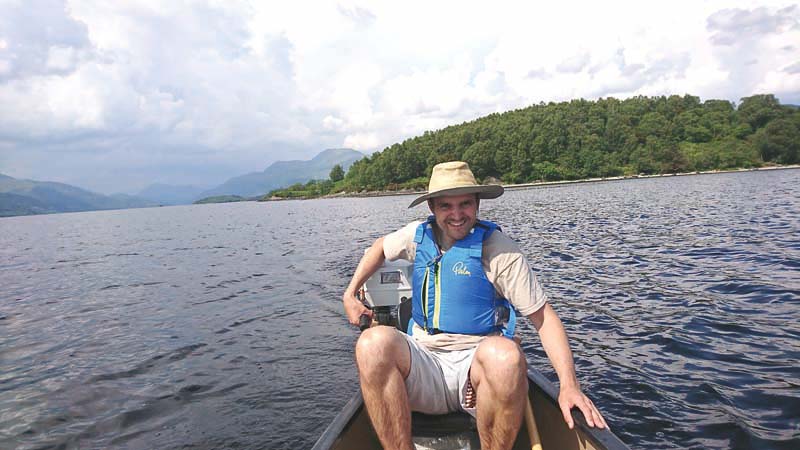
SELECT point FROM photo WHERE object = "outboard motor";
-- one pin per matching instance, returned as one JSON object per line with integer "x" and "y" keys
{"x": 388, "y": 294}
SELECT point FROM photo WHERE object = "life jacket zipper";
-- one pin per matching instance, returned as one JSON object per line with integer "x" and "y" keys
{"x": 425, "y": 298}
{"x": 437, "y": 296}
{"x": 435, "y": 264}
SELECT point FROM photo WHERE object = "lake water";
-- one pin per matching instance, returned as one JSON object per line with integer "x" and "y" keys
{"x": 220, "y": 326}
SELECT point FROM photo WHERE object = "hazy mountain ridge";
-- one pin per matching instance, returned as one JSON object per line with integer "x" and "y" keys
{"x": 285, "y": 173}
{"x": 167, "y": 194}
{"x": 23, "y": 197}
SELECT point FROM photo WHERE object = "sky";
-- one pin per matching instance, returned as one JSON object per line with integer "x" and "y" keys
{"x": 115, "y": 95}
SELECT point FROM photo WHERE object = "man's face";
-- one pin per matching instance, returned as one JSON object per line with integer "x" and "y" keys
{"x": 455, "y": 216}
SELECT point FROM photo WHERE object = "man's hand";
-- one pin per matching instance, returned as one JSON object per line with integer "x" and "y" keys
{"x": 371, "y": 261}
{"x": 354, "y": 308}
{"x": 571, "y": 396}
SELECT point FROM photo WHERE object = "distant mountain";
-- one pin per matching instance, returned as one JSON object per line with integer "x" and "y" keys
{"x": 286, "y": 173}
{"x": 166, "y": 194}
{"x": 23, "y": 197}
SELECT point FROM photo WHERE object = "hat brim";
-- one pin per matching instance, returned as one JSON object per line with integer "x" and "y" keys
{"x": 484, "y": 191}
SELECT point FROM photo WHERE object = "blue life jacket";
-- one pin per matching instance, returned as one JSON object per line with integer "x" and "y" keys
{"x": 450, "y": 292}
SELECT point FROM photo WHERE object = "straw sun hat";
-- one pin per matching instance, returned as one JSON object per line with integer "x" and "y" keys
{"x": 455, "y": 178}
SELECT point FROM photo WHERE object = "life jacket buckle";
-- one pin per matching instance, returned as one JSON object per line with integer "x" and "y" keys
{"x": 434, "y": 261}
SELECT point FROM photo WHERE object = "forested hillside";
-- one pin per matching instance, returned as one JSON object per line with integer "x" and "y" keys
{"x": 603, "y": 138}
{"x": 22, "y": 197}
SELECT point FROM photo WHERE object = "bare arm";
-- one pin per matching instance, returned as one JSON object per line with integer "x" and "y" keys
{"x": 556, "y": 345}
{"x": 370, "y": 262}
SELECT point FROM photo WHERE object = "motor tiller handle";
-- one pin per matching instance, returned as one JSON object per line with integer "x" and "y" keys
{"x": 364, "y": 322}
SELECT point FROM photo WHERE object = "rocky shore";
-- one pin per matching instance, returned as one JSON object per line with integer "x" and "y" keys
{"x": 557, "y": 183}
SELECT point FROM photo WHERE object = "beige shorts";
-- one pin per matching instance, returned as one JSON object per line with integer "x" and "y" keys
{"x": 437, "y": 381}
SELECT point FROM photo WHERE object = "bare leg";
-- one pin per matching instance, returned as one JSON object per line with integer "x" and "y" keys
{"x": 384, "y": 361}
{"x": 498, "y": 375}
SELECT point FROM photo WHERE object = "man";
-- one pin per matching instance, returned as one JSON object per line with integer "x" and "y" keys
{"x": 458, "y": 352}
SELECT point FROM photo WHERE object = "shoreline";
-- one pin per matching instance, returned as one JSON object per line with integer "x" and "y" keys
{"x": 521, "y": 186}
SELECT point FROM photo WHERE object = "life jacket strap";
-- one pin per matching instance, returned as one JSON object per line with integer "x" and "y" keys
{"x": 511, "y": 325}
{"x": 420, "y": 232}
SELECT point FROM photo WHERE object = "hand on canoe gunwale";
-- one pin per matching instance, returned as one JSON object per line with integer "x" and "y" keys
{"x": 556, "y": 345}
{"x": 572, "y": 396}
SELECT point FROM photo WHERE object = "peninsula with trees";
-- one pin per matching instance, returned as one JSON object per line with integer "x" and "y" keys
{"x": 583, "y": 139}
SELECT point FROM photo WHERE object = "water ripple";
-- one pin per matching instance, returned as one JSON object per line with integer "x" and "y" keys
{"x": 221, "y": 326}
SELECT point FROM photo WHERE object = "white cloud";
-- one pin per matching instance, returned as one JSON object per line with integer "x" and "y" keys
{"x": 362, "y": 141}
{"x": 361, "y": 16}
{"x": 793, "y": 68}
{"x": 333, "y": 123}
{"x": 151, "y": 85}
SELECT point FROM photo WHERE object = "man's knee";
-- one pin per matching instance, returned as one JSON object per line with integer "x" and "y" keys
{"x": 380, "y": 348}
{"x": 501, "y": 356}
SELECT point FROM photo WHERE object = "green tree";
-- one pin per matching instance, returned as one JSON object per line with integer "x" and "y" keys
{"x": 337, "y": 173}
{"x": 717, "y": 116}
{"x": 480, "y": 157}
{"x": 779, "y": 141}
{"x": 545, "y": 171}
{"x": 655, "y": 125}
{"x": 758, "y": 110}
{"x": 642, "y": 161}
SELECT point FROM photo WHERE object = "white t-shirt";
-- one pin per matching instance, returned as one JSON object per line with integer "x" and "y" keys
{"x": 505, "y": 266}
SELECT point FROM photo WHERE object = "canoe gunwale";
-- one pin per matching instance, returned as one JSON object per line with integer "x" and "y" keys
{"x": 340, "y": 422}
{"x": 604, "y": 438}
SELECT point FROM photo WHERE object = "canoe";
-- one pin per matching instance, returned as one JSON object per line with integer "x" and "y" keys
{"x": 351, "y": 429}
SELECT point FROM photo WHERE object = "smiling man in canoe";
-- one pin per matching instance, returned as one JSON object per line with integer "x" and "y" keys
{"x": 458, "y": 354}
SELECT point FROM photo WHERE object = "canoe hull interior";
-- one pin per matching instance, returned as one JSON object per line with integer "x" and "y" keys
{"x": 352, "y": 429}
